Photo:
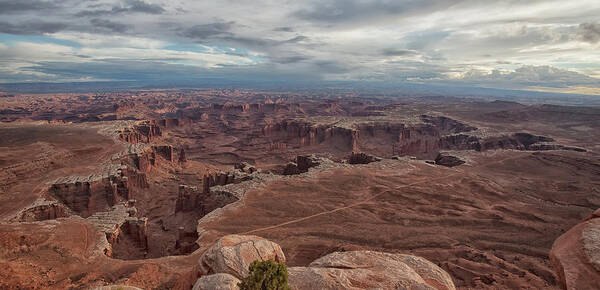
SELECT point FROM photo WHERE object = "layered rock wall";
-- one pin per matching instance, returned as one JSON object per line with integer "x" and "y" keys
{"x": 306, "y": 134}
{"x": 190, "y": 198}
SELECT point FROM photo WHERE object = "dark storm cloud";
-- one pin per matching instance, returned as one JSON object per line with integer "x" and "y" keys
{"x": 284, "y": 29}
{"x": 398, "y": 52}
{"x": 205, "y": 31}
{"x": 16, "y": 6}
{"x": 143, "y": 7}
{"x": 44, "y": 27}
{"x": 222, "y": 32}
{"x": 129, "y": 6}
{"x": 110, "y": 25}
{"x": 346, "y": 11}
{"x": 157, "y": 71}
{"x": 331, "y": 67}
{"x": 32, "y": 28}
{"x": 289, "y": 59}
{"x": 590, "y": 32}
{"x": 296, "y": 39}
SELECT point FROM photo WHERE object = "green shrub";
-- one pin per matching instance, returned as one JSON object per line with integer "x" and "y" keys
{"x": 266, "y": 275}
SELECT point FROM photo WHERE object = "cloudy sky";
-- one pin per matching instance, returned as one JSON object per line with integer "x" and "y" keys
{"x": 537, "y": 45}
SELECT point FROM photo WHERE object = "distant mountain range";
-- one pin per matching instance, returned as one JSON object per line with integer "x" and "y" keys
{"x": 391, "y": 89}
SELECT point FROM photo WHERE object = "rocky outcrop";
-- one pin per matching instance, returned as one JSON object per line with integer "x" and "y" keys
{"x": 182, "y": 158}
{"x": 362, "y": 158}
{"x": 223, "y": 178}
{"x": 220, "y": 281}
{"x": 125, "y": 236}
{"x": 186, "y": 241}
{"x": 369, "y": 270}
{"x": 517, "y": 141}
{"x": 144, "y": 132}
{"x": 301, "y": 164}
{"x": 190, "y": 198}
{"x": 303, "y": 134}
{"x": 146, "y": 159}
{"x": 41, "y": 211}
{"x": 447, "y": 125}
{"x": 575, "y": 255}
{"x": 245, "y": 167}
{"x": 233, "y": 255}
{"x": 187, "y": 198}
{"x": 228, "y": 260}
{"x": 448, "y": 160}
{"x": 88, "y": 194}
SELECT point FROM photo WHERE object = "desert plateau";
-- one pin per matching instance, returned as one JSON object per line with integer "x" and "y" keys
{"x": 132, "y": 188}
{"x": 299, "y": 145}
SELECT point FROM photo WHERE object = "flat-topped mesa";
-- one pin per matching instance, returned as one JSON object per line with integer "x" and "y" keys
{"x": 302, "y": 134}
{"x": 141, "y": 133}
{"x": 516, "y": 141}
{"x": 429, "y": 146}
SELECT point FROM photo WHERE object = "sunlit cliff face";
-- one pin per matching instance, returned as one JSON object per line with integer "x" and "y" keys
{"x": 537, "y": 45}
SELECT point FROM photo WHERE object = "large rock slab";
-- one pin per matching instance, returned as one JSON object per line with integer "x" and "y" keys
{"x": 233, "y": 254}
{"x": 220, "y": 281}
{"x": 369, "y": 270}
{"x": 575, "y": 255}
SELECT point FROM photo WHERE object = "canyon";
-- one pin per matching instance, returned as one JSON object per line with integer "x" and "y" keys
{"x": 134, "y": 188}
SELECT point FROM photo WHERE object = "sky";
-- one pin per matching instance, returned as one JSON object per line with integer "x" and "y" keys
{"x": 530, "y": 45}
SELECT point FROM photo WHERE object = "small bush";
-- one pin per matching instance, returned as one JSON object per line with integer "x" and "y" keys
{"x": 266, "y": 275}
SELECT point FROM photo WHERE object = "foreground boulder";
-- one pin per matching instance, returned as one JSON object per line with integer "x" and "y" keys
{"x": 217, "y": 281}
{"x": 233, "y": 255}
{"x": 369, "y": 270}
{"x": 228, "y": 260}
{"x": 575, "y": 255}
